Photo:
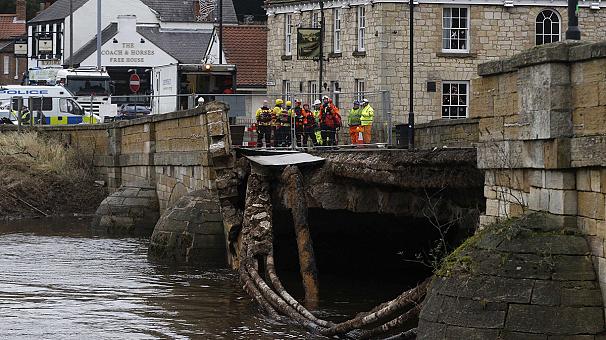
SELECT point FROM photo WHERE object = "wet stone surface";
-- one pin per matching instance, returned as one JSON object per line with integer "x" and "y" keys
{"x": 514, "y": 281}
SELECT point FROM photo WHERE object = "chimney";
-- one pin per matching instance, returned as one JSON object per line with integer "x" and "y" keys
{"x": 127, "y": 24}
{"x": 21, "y": 10}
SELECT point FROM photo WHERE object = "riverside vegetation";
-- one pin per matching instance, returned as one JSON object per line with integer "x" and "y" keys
{"x": 40, "y": 176}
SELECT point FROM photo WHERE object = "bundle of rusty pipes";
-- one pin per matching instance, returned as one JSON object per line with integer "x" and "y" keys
{"x": 256, "y": 260}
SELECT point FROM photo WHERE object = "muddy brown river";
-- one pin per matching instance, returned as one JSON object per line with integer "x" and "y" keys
{"x": 57, "y": 281}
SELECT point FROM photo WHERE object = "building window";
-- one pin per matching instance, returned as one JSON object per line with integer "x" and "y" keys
{"x": 548, "y": 27}
{"x": 286, "y": 89}
{"x": 288, "y": 34}
{"x": 360, "y": 88}
{"x": 5, "y": 69}
{"x": 337, "y": 31}
{"x": 315, "y": 19}
{"x": 455, "y": 29}
{"x": 312, "y": 88}
{"x": 16, "y": 69}
{"x": 361, "y": 28}
{"x": 455, "y": 99}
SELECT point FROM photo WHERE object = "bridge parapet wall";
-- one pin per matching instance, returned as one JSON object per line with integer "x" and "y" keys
{"x": 542, "y": 138}
{"x": 170, "y": 152}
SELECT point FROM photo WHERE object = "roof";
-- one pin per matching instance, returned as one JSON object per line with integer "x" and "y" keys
{"x": 57, "y": 11}
{"x": 280, "y": 2}
{"x": 243, "y": 46}
{"x": 183, "y": 10}
{"x": 10, "y": 27}
{"x": 5, "y": 45}
{"x": 91, "y": 46}
{"x": 188, "y": 47}
{"x": 168, "y": 10}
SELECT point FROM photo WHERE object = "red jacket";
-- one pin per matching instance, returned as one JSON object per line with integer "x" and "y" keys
{"x": 329, "y": 116}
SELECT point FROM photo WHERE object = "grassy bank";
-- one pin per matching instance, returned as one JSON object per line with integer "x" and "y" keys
{"x": 41, "y": 176}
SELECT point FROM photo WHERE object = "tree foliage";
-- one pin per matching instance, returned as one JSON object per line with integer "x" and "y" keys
{"x": 8, "y": 6}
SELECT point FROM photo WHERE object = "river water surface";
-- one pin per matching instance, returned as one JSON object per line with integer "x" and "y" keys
{"x": 59, "y": 282}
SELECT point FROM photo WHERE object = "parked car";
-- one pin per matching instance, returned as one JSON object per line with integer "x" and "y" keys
{"x": 130, "y": 111}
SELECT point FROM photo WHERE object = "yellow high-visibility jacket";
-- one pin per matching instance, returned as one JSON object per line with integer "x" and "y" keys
{"x": 367, "y": 114}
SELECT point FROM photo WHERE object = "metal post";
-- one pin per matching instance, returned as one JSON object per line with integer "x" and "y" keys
{"x": 573, "y": 32}
{"x": 71, "y": 33}
{"x": 90, "y": 111}
{"x": 321, "y": 46}
{"x": 387, "y": 112}
{"x": 98, "y": 35}
{"x": 411, "y": 114}
{"x": 221, "y": 32}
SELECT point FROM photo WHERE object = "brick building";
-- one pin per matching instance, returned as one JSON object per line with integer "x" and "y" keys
{"x": 366, "y": 46}
{"x": 12, "y": 26}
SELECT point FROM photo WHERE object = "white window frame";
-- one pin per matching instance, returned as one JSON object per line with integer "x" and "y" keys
{"x": 360, "y": 88}
{"x": 361, "y": 28}
{"x": 288, "y": 34}
{"x": 336, "y": 30}
{"x": 456, "y": 96}
{"x": 6, "y": 62}
{"x": 16, "y": 68}
{"x": 315, "y": 19}
{"x": 447, "y": 34}
{"x": 550, "y": 35}
{"x": 286, "y": 89}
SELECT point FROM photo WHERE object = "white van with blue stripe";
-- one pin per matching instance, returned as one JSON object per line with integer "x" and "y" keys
{"x": 55, "y": 104}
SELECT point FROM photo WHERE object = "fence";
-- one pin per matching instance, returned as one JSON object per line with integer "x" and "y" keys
{"x": 245, "y": 130}
{"x": 242, "y": 112}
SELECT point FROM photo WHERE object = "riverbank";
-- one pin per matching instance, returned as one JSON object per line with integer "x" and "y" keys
{"x": 42, "y": 177}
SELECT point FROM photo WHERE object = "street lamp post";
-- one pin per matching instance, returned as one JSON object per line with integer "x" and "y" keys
{"x": 71, "y": 33}
{"x": 573, "y": 32}
{"x": 411, "y": 114}
{"x": 98, "y": 35}
{"x": 321, "y": 61}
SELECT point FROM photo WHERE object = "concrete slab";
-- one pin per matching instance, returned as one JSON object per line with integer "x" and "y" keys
{"x": 285, "y": 159}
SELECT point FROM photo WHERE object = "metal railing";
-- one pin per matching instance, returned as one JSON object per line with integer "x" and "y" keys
{"x": 242, "y": 114}
{"x": 245, "y": 131}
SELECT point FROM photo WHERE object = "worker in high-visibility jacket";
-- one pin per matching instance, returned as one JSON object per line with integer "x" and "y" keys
{"x": 316, "y": 113}
{"x": 264, "y": 121}
{"x": 367, "y": 114}
{"x": 355, "y": 123}
{"x": 276, "y": 112}
{"x": 283, "y": 123}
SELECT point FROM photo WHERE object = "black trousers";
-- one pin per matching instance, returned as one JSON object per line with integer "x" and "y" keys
{"x": 283, "y": 136}
{"x": 263, "y": 131}
{"x": 329, "y": 136}
{"x": 309, "y": 134}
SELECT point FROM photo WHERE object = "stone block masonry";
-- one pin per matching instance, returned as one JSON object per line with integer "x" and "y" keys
{"x": 515, "y": 280}
{"x": 495, "y": 31}
{"x": 542, "y": 141}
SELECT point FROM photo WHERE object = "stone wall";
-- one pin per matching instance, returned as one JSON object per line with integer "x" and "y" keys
{"x": 495, "y": 32}
{"x": 452, "y": 133}
{"x": 171, "y": 152}
{"x": 543, "y": 138}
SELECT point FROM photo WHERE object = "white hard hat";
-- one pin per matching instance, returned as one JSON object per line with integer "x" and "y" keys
{"x": 200, "y": 100}
{"x": 365, "y": 100}
{"x": 317, "y": 102}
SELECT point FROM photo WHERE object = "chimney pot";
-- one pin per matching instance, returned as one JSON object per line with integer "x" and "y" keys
{"x": 21, "y": 10}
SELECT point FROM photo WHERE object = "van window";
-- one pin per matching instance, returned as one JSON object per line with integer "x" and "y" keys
{"x": 34, "y": 103}
{"x": 76, "y": 108}
{"x": 63, "y": 105}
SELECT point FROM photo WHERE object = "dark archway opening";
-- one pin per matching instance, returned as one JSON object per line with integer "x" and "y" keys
{"x": 362, "y": 258}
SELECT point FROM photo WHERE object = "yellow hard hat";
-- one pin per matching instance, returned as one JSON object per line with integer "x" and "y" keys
{"x": 279, "y": 101}
{"x": 288, "y": 103}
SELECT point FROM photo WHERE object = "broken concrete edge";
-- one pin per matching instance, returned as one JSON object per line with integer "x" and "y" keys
{"x": 561, "y": 52}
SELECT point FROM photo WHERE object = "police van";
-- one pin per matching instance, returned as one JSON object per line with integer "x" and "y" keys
{"x": 54, "y": 104}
